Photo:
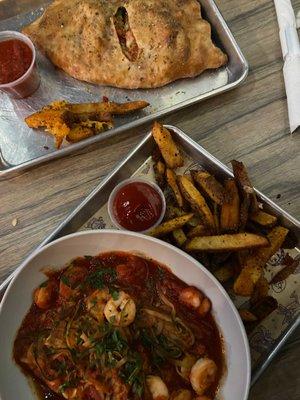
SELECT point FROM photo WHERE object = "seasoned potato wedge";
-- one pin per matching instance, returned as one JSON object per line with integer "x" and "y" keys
{"x": 45, "y": 118}
{"x": 171, "y": 225}
{"x": 247, "y": 315}
{"x": 224, "y": 273}
{"x": 253, "y": 264}
{"x": 179, "y": 236}
{"x": 244, "y": 211}
{"x": 264, "y": 219}
{"x": 78, "y": 133}
{"x": 227, "y": 242}
{"x": 86, "y": 129}
{"x": 174, "y": 211}
{"x": 159, "y": 173}
{"x": 167, "y": 146}
{"x": 261, "y": 290}
{"x": 216, "y": 215}
{"x": 107, "y": 107}
{"x": 230, "y": 211}
{"x": 199, "y": 230}
{"x": 196, "y": 200}
{"x": 264, "y": 307}
{"x": 276, "y": 238}
{"x": 78, "y": 121}
{"x": 54, "y": 122}
{"x": 172, "y": 182}
{"x": 285, "y": 272}
{"x": 210, "y": 186}
{"x": 242, "y": 178}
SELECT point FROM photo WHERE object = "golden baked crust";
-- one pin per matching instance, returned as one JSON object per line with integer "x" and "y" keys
{"x": 129, "y": 44}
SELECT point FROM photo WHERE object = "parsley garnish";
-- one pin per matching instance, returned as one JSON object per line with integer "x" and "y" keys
{"x": 114, "y": 293}
{"x": 99, "y": 278}
{"x": 65, "y": 280}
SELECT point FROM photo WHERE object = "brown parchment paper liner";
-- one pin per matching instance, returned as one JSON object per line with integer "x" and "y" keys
{"x": 286, "y": 292}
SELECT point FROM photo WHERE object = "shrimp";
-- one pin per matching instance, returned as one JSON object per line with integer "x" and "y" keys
{"x": 45, "y": 295}
{"x": 193, "y": 298}
{"x": 120, "y": 312}
{"x": 96, "y": 303}
{"x": 182, "y": 394}
{"x": 185, "y": 366}
{"x": 157, "y": 388}
{"x": 69, "y": 393}
{"x": 203, "y": 374}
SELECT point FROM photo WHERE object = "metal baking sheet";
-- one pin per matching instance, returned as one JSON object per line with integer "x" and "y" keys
{"x": 22, "y": 147}
{"x": 272, "y": 333}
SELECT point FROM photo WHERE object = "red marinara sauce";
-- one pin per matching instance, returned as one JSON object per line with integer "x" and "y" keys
{"x": 137, "y": 206}
{"x": 15, "y": 60}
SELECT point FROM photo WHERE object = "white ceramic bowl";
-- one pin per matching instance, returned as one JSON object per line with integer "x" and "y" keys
{"x": 18, "y": 298}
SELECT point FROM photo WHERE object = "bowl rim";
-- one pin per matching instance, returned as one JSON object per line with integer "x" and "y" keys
{"x": 164, "y": 244}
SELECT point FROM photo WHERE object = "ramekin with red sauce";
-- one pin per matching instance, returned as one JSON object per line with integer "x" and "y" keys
{"x": 19, "y": 77}
{"x": 136, "y": 205}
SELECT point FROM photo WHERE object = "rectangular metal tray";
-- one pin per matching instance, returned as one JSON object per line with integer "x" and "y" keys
{"x": 89, "y": 215}
{"x": 22, "y": 147}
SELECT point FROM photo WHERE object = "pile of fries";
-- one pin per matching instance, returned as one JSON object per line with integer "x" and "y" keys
{"x": 76, "y": 122}
{"x": 221, "y": 224}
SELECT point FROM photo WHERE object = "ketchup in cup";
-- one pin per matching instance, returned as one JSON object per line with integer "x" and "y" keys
{"x": 136, "y": 205}
{"x": 18, "y": 74}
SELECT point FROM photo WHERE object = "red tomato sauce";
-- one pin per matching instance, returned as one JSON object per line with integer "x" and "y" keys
{"x": 137, "y": 206}
{"x": 15, "y": 60}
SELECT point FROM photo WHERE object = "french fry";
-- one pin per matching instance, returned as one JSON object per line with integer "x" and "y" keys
{"x": 196, "y": 220}
{"x": 276, "y": 238}
{"x": 196, "y": 200}
{"x": 224, "y": 273}
{"x": 159, "y": 173}
{"x": 247, "y": 316}
{"x": 264, "y": 307}
{"x": 219, "y": 259}
{"x": 261, "y": 290}
{"x": 167, "y": 146}
{"x": 171, "y": 180}
{"x": 264, "y": 219}
{"x": 78, "y": 121}
{"x": 46, "y": 118}
{"x": 216, "y": 217}
{"x": 245, "y": 282}
{"x": 210, "y": 186}
{"x": 179, "y": 236}
{"x": 244, "y": 211}
{"x": 198, "y": 230}
{"x": 86, "y": 129}
{"x": 242, "y": 178}
{"x": 254, "y": 263}
{"x": 78, "y": 133}
{"x": 285, "y": 272}
{"x": 171, "y": 225}
{"x": 174, "y": 211}
{"x": 227, "y": 242}
{"x": 230, "y": 211}
{"x": 107, "y": 107}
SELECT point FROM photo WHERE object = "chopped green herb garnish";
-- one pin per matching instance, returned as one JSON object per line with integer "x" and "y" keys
{"x": 44, "y": 284}
{"x": 114, "y": 293}
{"x": 161, "y": 273}
{"x": 132, "y": 373}
{"x": 65, "y": 280}
{"x": 100, "y": 278}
